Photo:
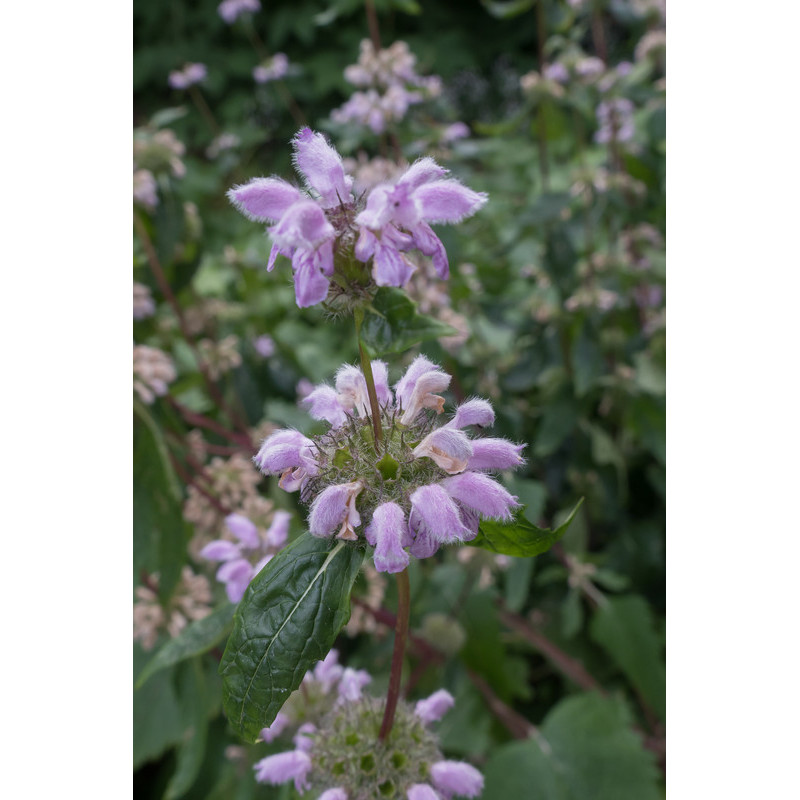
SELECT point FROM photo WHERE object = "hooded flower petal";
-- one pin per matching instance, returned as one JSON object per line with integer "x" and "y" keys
{"x": 303, "y": 225}
{"x": 433, "y": 708}
{"x": 302, "y": 739}
{"x": 390, "y": 267}
{"x": 264, "y": 199}
{"x": 457, "y": 777}
{"x": 333, "y": 794}
{"x": 278, "y": 531}
{"x": 448, "y": 201}
{"x": 405, "y": 208}
{"x": 286, "y": 449}
{"x": 422, "y": 791}
{"x": 388, "y": 534}
{"x": 495, "y": 454}
{"x": 323, "y": 403}
{"x": 310, "y": 285}
{"x": 352, "y": 387}
{"x": 236, "y": 575}
{"x": 433, "y": 513}
{"x": 351, "y": 684}
{"x": 328, "y": 671}
{"x": 479, "y": 492}
{"x": 429, "y": 244}
{"x": 322, "y": 167}
{"x": 335, "y": 507}
{"x": 366, "y": 245}
{"x": 405, "y": 386}
{"x": 283, "y": 767}
{"x": 220, "y": 550}
{"x": 448, "y": 447}
{"x": 474, "y": 412}
{"x": 423, "y": 170}
{"x": 378, "y": 211}
{"x": 244, "y": 530}
{"x": 276, "y": 729}
{"x": 422, "y": 388}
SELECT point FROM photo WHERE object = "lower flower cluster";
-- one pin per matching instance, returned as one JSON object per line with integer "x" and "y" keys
{"x": 417, "y": 487}
{"x": 337, "y": 753}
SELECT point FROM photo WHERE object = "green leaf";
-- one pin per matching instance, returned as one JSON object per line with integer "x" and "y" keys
{"x": 190, "y": 752}
{"x": 195, "y": 639}
{"x": 508, "y": 9}
{"x": 520, "y": 537}
{"x": 157, "y": 723}
{"x": 392, "y": 324}
{"x": 624, "y": 627}
{"x": 287, "y": 620}
{"x": 585, "y": 750}
{"x": 167, "y": 116}
{"x": 158, "y": 524}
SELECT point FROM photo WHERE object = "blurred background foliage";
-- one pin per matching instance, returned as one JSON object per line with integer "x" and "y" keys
{"x": 556, "y": 298}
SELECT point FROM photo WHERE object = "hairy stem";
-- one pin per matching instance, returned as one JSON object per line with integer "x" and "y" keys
{"x": 400, "y": 636}
{"x": 366, "y": 368}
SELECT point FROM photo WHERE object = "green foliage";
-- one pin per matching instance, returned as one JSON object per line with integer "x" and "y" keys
{"x": 519, "y": 537}
{"x": 556, "y": 294}
{"x": 287, "y": 620}
{"x": 585, "y": 750}
{"x": 392, "y": 324}
{"x": 194, "y": 640}
{"x": 624, "y": 627}
{"x": 159, "y": 529}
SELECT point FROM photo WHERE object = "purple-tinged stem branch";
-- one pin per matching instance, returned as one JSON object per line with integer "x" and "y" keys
{"x": 400, "y": 636}
{"x": 372, "y": 21}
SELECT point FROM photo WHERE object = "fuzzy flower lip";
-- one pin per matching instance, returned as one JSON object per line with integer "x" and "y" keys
{"x": 457, "y": 778}
{"x": 302, "y": 230}
{"x": 433, "y": 708}
{"x": 281, "y": 767}
{"x": 426, "y": 486}
{"x": 421, "y": 196}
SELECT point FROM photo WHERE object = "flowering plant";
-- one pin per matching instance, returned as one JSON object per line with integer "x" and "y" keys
{"x": 438, "y": 449}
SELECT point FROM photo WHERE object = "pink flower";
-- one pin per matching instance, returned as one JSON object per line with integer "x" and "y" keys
{"x": 282, "y": 767}
{"x": 433, "y": 708}
{"x": 457, "y": 777}
{"x": 397, "y": 217}
{"x": 188, "y": 76}
{"x": 302, "y": 231}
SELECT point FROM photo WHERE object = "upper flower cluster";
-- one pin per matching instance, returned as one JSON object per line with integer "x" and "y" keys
{"x": 338, "y": 753}
{"x": 330, "y": 235}
{"x": 422, "y": 486}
